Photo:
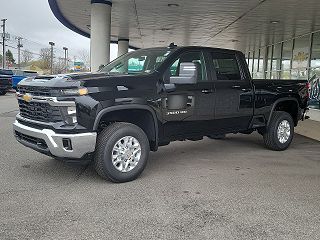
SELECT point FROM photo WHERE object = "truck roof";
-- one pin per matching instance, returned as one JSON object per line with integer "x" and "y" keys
{"x": 193, "y": 48}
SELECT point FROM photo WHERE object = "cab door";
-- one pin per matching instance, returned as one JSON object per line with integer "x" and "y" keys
{"x": 234, "y": 101}
{"x": 189, "y": 108}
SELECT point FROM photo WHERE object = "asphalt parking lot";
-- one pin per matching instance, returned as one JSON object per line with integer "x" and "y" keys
{"x": 229, "y": 189}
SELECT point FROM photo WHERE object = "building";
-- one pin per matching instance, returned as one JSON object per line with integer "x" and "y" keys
{"x": 281, "y": 38}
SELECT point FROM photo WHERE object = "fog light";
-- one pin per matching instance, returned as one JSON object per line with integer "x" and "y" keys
{"x": 67, "y": 145}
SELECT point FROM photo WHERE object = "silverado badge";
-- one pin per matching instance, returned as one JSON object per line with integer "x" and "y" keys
{"x": 27, "y": 97}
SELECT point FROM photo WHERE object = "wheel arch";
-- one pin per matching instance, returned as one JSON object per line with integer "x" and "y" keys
{"x": 289, "y": 105}
{"x": 132, "y": 114}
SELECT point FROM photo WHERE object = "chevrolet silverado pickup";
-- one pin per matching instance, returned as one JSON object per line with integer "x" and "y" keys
{"x": 149, "y": 98}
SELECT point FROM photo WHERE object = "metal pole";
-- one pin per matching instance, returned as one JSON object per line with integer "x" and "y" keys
{"x": 65, "y": 58}
{"x": 51, "y": 44}
{"x": 3, "y": 43}
{"x": 19, "y": 51}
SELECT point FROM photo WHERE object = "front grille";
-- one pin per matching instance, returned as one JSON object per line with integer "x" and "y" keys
{"x": 35, "y": 91}
{"x": 33, "y": 140}
{"x": 39, "y": 111}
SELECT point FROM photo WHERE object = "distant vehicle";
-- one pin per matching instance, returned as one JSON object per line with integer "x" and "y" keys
{"x": 19, "y": 75}
{"x": 150, "y": 97}
{"x": 5, "y": 81}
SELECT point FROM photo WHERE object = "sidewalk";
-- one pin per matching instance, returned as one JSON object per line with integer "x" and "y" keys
{"x": 309, "y": 128}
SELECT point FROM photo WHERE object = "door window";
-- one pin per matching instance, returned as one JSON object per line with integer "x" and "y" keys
{"x": 226, "y": 66}
{"x": 191, "y": 57}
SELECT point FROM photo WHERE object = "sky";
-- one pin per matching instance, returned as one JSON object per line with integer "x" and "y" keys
{"x": 34, "y": 21}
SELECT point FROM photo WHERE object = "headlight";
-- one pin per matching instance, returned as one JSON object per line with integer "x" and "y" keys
{"x": 70, "y": 115}
{"x": 71, "y": 110}
{"x": 74, "y": 91}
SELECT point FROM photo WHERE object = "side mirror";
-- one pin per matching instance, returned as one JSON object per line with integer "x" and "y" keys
{"x": 188, "y": 74}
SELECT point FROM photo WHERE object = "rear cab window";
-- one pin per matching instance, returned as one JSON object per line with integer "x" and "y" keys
{"x": 226, "y": 66}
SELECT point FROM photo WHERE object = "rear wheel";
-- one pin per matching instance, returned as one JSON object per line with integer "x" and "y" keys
{"x": 279, "y": 133}
{"x": 2, "y": 92}
{"x": 122, "y": 152}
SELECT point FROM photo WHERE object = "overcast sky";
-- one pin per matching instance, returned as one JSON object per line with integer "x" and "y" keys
{"x": 34, "y": 21}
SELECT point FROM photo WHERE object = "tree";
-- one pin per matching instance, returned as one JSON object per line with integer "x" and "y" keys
{"x": 27, "y": 56}
{"x": 45, "y": 58}
{"x": 59, "y": 66}
{"x": 84, "y": 56}
{"x": 9, "y": 57}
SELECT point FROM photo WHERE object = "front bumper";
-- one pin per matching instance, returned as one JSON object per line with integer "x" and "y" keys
{"x": 48, "y": 142}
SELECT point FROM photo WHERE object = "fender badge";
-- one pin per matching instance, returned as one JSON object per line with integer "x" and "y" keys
{"x": 27, "y": 97}
{"x": 177, "y": 112}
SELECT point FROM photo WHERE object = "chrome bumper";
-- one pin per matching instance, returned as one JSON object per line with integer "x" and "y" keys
{"x": 81, "y": 143}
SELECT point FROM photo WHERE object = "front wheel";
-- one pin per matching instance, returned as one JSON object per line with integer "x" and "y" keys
{"x": 121, "y": 153}
{"x": 279, "y": 134}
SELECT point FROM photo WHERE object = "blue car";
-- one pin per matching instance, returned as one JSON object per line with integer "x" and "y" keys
{"x": 18, "y": 75}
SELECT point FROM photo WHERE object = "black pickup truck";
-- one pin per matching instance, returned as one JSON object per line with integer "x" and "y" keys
{"x": 5, "y": 81}
{"x": 150, "y": 97}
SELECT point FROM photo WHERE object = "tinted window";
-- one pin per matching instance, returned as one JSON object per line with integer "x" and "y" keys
{"x": 226, "y": 66}
{"x": 6, "y": 72}
{"x": 190, "y": 57}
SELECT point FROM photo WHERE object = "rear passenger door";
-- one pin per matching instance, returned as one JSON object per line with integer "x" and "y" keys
{"x": 234, "y": 93}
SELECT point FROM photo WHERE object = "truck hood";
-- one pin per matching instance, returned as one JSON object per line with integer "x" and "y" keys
{"x": 58, "y": 81}
{"x": 86, "y": 80}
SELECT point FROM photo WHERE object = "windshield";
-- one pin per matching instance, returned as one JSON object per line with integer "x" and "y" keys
{"x": 138, "y": 62}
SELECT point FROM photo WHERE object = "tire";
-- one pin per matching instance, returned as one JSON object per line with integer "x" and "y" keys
{"x": 115, "y": 136}
{"x": 217, "y": 137}
{"x": 272, "y": 139}
{"x": 2, "y": 93}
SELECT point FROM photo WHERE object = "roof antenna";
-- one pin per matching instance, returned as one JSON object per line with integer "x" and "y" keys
{"x": 172, "y": 45}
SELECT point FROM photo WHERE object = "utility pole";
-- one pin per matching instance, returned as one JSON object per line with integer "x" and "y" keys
{"x": 51, "y": 44}
{"x": 65, "y": 58}
{"x": 19, "y": 51}
{"x": 4, "y": 58}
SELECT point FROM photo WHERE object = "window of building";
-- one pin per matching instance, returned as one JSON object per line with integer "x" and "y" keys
{"x": 314, "y": 72}
{"x": 260, "y": 68}
{"x": 256, "y": 61}
{"x": 226, "y": 66}
{"x": 269, "y": 61}
{"x": 286, "y": 60}
{"x": 250, "y": 61}
{"x": 300, "y": 58}
{"x": 276, "y": 61}
{"x": 315, "y": 54}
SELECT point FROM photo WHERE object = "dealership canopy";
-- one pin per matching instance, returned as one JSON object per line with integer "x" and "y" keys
{"x": 236, "y": 24}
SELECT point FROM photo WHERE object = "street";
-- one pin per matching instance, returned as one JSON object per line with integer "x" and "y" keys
{"x": 210, "y": 189}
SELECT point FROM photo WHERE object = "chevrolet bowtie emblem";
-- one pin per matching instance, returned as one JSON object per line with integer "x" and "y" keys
{"x": 27, "y": 97}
